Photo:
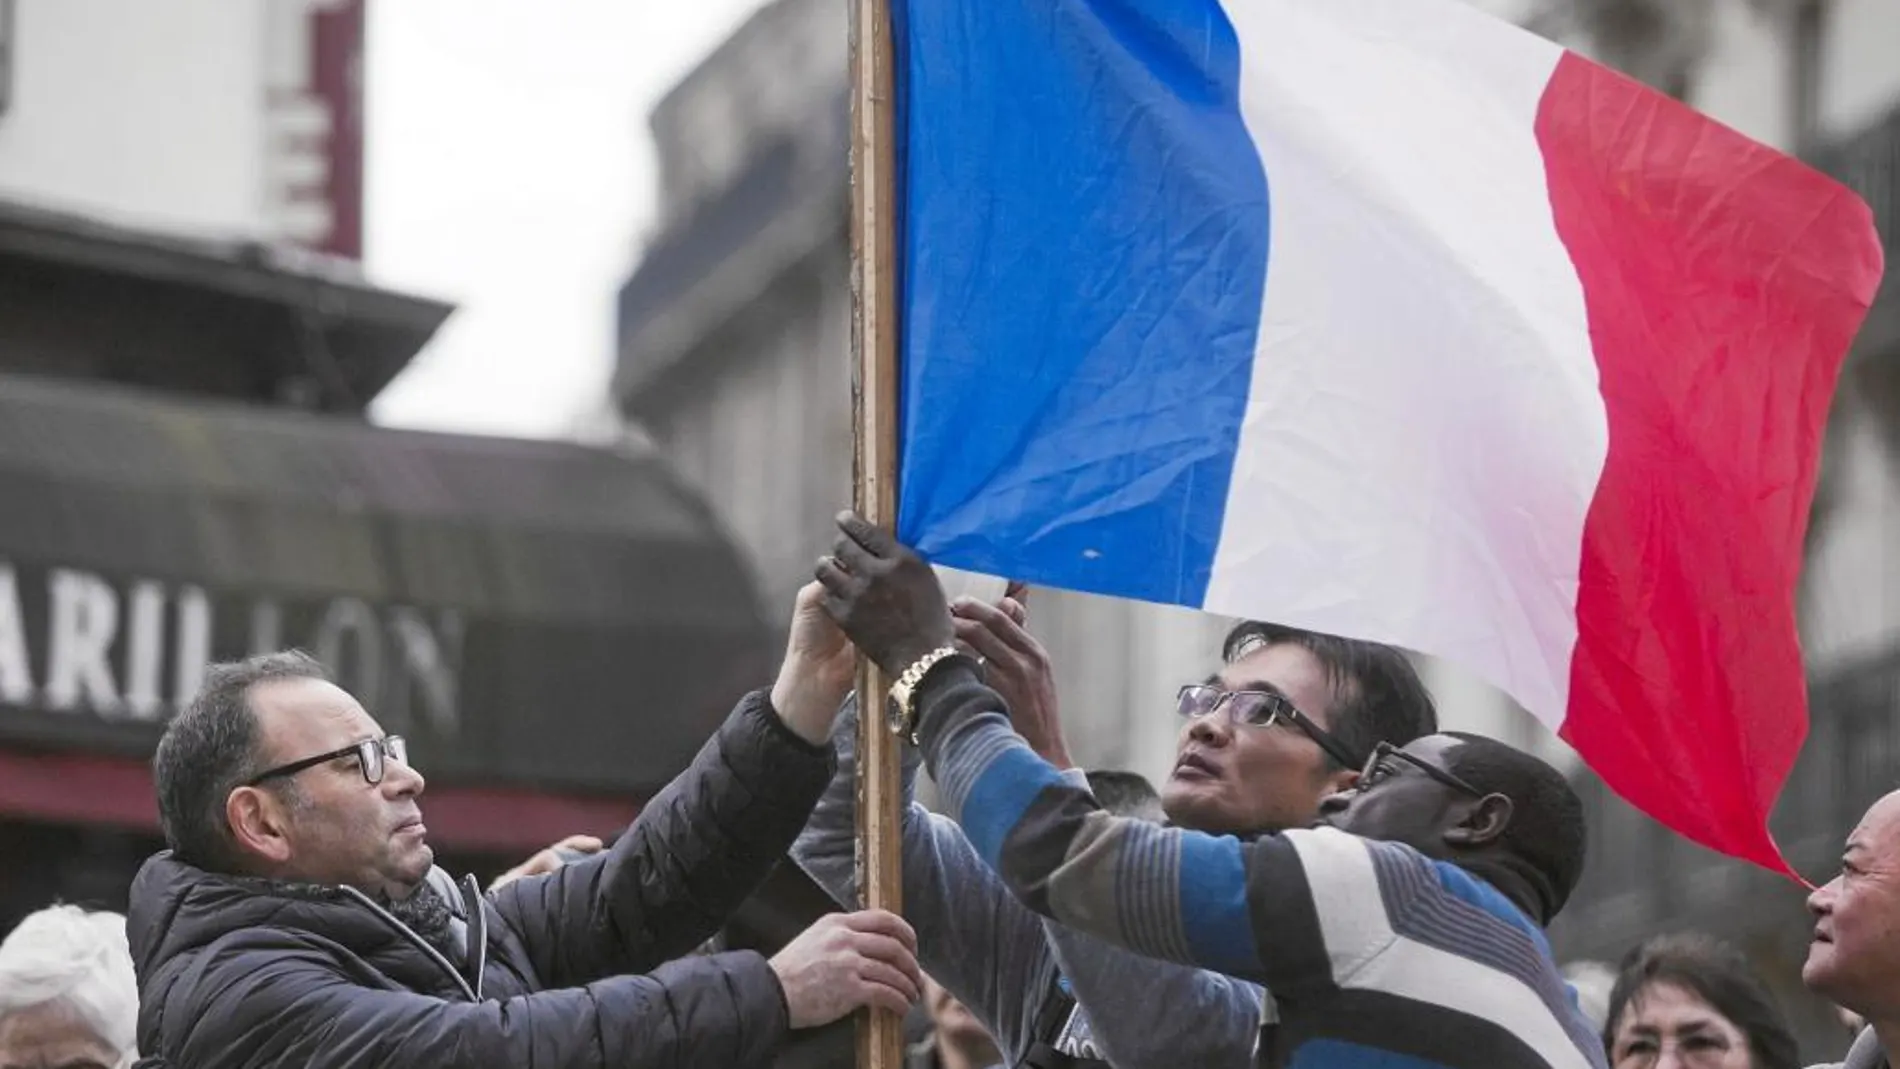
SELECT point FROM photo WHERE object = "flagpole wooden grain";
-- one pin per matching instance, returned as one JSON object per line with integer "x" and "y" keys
{"x": 874, "y": 409}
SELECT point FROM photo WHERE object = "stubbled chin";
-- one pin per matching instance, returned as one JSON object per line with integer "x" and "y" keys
{"x": 1190, "y": 803}
{"x": 420, "y": 860}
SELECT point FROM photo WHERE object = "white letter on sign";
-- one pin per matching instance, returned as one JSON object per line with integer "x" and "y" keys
{"x": 85, "y": 619}
{"x": 16, "y": 677}
{"x": 194, "y": 644}
{"x": 144, "y": 644}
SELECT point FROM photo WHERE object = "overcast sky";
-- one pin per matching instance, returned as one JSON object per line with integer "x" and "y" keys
{"x": 510, "y": 170}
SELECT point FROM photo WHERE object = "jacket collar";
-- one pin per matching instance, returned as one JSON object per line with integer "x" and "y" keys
{"x": 177, "y": 908}
{"x": 1865, "y": 1053}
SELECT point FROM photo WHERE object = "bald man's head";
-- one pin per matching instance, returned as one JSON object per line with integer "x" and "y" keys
{"x": 1854, "y": 958}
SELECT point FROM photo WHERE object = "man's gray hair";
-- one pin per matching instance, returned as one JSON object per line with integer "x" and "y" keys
{"x": 79, "y": 959}
{"x": 210, "y": 749}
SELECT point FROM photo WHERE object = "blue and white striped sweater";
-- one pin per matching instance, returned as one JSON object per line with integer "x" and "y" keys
{"x": 1376, "y": 955}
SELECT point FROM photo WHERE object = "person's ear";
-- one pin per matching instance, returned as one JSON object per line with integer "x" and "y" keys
{"x": 260, "y": 823}
{"x": 1482, "y": 823}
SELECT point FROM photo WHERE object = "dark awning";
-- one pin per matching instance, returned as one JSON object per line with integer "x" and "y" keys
{"x": 218, "y": 318}
{"x": 556, "y": 628}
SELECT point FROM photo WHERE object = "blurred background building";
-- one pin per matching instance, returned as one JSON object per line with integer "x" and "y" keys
{"x": 734, "y": 335}
{"x": 187, "y": 347}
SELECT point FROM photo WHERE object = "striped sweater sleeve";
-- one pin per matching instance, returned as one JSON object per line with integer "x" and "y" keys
{"x": 1244, "y": 909}
{"x": 973, "y": 936}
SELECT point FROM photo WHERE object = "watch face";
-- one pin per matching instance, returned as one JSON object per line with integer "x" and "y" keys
{"x": 894, "y": 716}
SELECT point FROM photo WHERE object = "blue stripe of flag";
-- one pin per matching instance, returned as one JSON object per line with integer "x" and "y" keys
{"x": 1084, "y": 250}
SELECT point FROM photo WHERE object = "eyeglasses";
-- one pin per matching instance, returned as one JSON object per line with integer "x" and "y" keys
{"x": 1699, "y": 1048}
{"x": 1259, "y": 709}
{"x": 372, "y": 756}
{"x": 1378, "y": 768}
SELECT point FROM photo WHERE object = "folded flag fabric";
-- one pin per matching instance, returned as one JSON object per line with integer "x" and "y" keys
{"x": 1389, "y": 319}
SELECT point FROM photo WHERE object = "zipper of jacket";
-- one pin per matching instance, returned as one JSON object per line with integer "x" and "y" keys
{"x": 477, "y": 927}
{"x": 408, "y": 933}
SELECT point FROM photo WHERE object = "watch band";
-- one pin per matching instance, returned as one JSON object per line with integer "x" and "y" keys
{"x": 903, "y": 696}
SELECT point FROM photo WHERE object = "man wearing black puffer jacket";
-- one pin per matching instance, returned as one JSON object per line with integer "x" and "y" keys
{"x": 298, "y": 919}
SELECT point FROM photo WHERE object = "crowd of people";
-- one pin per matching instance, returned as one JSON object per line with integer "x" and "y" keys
{"x": 1325, "y": 879}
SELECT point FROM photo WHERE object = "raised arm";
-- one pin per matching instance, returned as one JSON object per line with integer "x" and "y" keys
{"x": 706, "y": 841}
{"x": 973, "y": 936}
{"x": 697, "y": 850}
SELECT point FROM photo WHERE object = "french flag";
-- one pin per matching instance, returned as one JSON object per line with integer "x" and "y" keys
{"x": 1388, "y": 319}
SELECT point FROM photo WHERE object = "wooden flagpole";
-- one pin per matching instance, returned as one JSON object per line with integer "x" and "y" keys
{"x": 874, "y": 410}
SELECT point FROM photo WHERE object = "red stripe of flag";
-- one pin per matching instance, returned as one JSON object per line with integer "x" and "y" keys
{"x": 1724, "y": 283}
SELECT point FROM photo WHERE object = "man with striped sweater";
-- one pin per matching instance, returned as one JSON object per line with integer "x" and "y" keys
{"x": 1403, "y": 930}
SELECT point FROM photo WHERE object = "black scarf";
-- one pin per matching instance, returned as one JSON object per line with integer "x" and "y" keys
{"x": 424, "y": 912}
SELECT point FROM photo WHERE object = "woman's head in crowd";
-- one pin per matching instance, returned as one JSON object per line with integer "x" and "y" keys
{"x": 1688, "y": 1001}
{"x": 68, "y": 996}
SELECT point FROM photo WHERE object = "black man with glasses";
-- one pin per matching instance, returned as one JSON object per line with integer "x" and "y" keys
{"x": 299, "y": 919}
{"x": 1403, "y": 928}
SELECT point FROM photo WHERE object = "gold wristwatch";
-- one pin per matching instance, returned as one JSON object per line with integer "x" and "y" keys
{"x": 902, "y": 715}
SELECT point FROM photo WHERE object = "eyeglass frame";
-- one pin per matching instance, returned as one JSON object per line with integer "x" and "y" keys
{"x": 386, "y": 749}
{"x": 1663, "y": 1044}
{"x": 1445, "y": 776}
{"x": 1280, "y": 707}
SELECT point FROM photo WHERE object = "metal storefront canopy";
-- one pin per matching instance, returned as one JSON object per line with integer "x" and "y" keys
{"x": 556, "y": 628}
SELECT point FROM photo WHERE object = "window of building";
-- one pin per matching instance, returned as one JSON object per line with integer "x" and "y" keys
{"x": 8, "y": 37}
{"x": 1807, "y": 29}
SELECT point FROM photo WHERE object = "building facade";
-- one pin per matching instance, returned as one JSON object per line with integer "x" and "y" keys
{"x": 201, "y": 118}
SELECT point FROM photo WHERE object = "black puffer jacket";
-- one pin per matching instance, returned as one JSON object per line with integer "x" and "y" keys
{"x": 235, "y": 973}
